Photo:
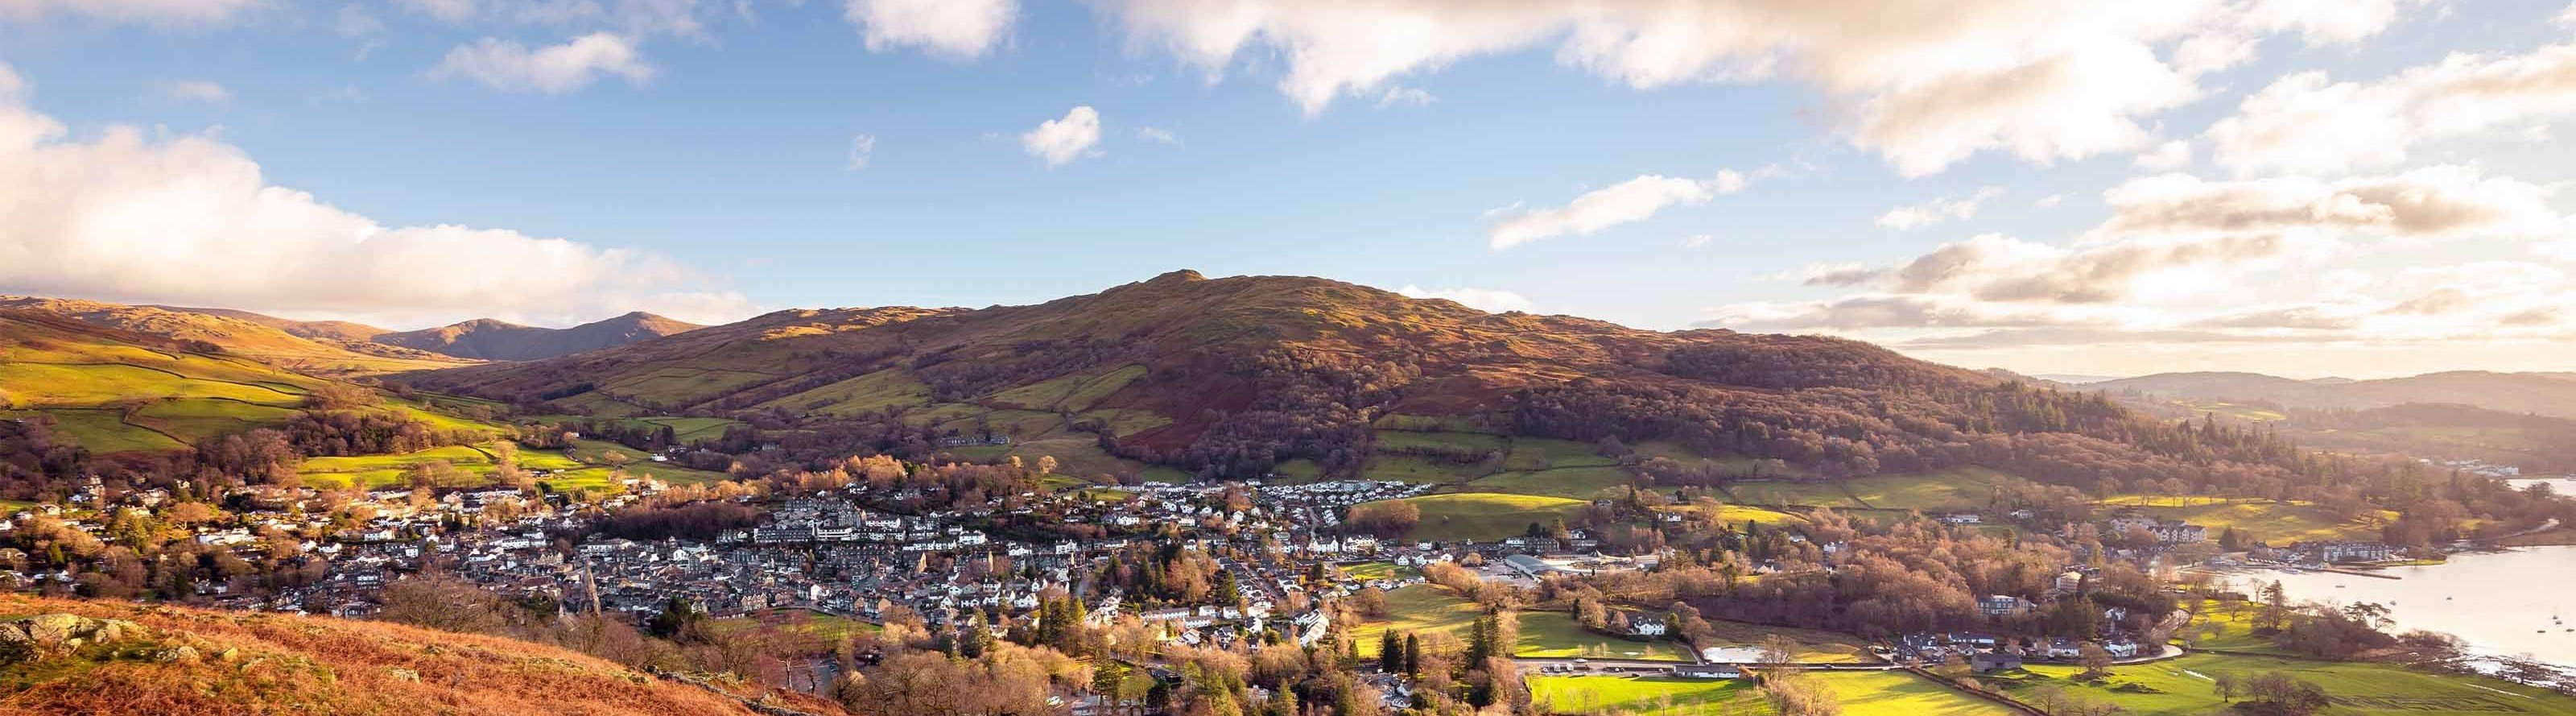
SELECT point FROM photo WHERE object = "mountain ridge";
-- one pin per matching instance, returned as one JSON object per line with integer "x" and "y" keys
{"x": 2551, "y": 394}
{"x": 493, "y": 339}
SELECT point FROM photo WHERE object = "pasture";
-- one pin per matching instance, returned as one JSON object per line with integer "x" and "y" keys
{"x": 1555, "y": 634}
{"x": 2188, "y": 686}
{"x": 1421, "y": 608}
{"x": 1486, "y": 515}
{"x": 1579, "y": 483}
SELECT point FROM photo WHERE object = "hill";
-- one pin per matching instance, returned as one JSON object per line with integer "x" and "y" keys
{"x": 98, "y": 657}
{"x": 119, "y": 391}
{"x": 2551, "y": 394}
{"x": 244, "y": 334}
{"x": 488, "y": 339}
{"x": 1247, "y": 376}
{"x": 322, "y": 330}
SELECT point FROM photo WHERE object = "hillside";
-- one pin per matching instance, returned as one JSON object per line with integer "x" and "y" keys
{"x": 119, "y": 391}
{"x": 488, "y": 339}
{"x": 320, "y": 330}
{"x": 99, "y": 657}
{"x": 244, "y": 334}
{"x": 2552, "y": 394}
{"x": 1245, "y": 376}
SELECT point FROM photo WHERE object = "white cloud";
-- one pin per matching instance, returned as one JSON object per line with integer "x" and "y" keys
{"x": 1409, "y": 96}
{"x": 1698, "y": 241}
{"x": 961, "y": 29}
{"x": 1925, "y": 83}
{"x": 2166, "y": 157}
{"x": 156, "y": 12}
{"x": 1063, "y": 140}
{"x": 1948, "y": 208}
{"x": 443, "y": 10}
{"x": 1487, "y": 300}
{"x": 2050, "y": 202}
{"x": 2306, "y": 122}
{"x": 862, "y": 147}
{"x": 126, "y": 216}
{"x": 1158, "y": 134}
{"x": 192, "y": 91}
{"x": 2189, "y": 261}
{"x": 1628, "y": 201}
{"x": 511, "y": 67}
{"x": 633, "y": 18}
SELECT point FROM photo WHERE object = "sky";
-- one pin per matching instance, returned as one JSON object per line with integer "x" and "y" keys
{"x": 2359, "y": 188}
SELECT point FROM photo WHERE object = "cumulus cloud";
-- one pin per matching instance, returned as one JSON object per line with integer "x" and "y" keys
{"x": 129, "y": 216}
{"x": 192, "y": 91}
{"x": 1158, "y": 135}
{"x": 156, "y": 12}
{"x": 511, "y": 67}
{"x": 2187, "y": 259}
{"x": 2165, "y": 157}
{"x": 1925, "y": 83}
{"x": 959, "y": 29}
{"x": 1063, "y": 140}
{"x": 1487, "y": 300}
{"x": 2431, "y": 202}
{"x": 2307, "y": 122}
{"x": 1946, "y": 208}
{"x": 1625, "y": 202}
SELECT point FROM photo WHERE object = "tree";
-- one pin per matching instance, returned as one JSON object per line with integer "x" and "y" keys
{"x": 1390, "y": 652}
{"x": 1412, "y": 654}
{"x": 676, "y": 617}
{"x": 2096, "y": 661}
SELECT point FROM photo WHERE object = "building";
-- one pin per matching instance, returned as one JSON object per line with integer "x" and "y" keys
{"x": 1987, "y": 661}
{"x": 1996, "y": 605}
{"x": 1709, "y": 671}
{"x": 2354, "y": 552}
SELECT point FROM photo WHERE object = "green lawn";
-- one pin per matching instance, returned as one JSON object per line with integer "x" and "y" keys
{"x": 1737, "y": 515}
{"x": 1644, "y": 695}
{"x": 1580, "y": 483}
{"x": 1073, "y": 392}
{"x": 1370, "y": 571}
{"x": 1554, "y": 634}
{"x": 2230, "y": 626}
{"x": 2186, "y": 686}
{"x": 1420, "y": 608}
{"x": 1807, "y": 646}
{"x": 1486, "y": 515}
{"x": 100, "y": 430}
{"x": 1961, "y": 488}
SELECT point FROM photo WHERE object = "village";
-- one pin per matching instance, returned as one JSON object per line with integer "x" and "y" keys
{"x": 848, "y": 553}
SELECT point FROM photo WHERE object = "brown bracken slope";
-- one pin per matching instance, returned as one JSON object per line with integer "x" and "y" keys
{"x": 174, "y": 661}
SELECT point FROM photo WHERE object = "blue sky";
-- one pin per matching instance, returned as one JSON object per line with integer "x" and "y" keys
{"x": 695, "y": 157}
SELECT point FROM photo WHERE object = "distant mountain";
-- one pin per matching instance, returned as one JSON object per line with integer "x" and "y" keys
{"x": 1244, "y": 376}
{"x": 488, "y": 339}
{"x": 2074, "y": 378}
{"x": 242, "y": 333}
{"x": 2552, "y": 394}
{"x": 123, "y": 657}
{"x": 332, "y": 330}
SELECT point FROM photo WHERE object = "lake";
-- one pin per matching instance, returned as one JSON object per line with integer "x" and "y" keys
{"x": 2502, "y": 603}
{"x": 2559, "y": 484}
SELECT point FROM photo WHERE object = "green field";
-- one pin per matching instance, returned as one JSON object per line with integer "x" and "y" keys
{"x": 376, "y": 471}
{"x": 2186, "y": 686}
{"x": 1370, "y": 571}
{"x": 1420, "y": 608}
{"x": 1580, "y": 483}
{"x": 1901, "y": 693}
{"x": 1460, "y": 443}
{"x": 1072, "y": 393}
{"x": 1644, "y": 695}
{"x": 1862, "y": 693}
{"x": 1554, "y": 634}
{"x": 1737, "y": 515}
{"x": 2273, "y": 522}
{"x": 594, "y": 452}
{"x": 1417, "y": 470}
{"x": 1960, "y": 488}
{"x": 1544, "y": 454}
{"x": 2230, "y": 626}
{"x": 828, "y": 627}
{"x": 1485, "y": 515}
{"x": 1817, "y": 494}
{"x": 1437, "y": 423}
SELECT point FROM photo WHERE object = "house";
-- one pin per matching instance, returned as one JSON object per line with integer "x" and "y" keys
{"x": 1963, "y": 518}
{"x": 1646, "y": 626}
{"x": 1528, "y": 566}
{"x": 2354, "y": 552}
{"x": 1709, "y": 671}
{"x": 1986, "y": 662}
{"x": 1996, "y": 605}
